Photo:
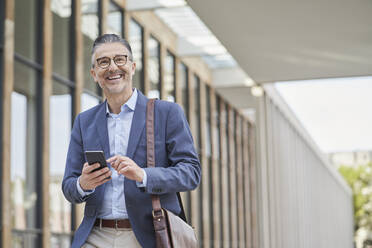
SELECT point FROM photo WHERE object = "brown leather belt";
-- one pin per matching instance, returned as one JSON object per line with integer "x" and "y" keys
{"x": 124, "y": 223}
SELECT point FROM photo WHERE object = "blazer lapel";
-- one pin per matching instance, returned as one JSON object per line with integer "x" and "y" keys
{"x": 101, "y": 125}
{"x": 138, "y": 124}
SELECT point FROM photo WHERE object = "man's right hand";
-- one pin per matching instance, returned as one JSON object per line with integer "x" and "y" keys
{"x": 90, "y": 180}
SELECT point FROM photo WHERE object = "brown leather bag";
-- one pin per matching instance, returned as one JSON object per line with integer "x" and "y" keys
{"x": 170, "y": 230}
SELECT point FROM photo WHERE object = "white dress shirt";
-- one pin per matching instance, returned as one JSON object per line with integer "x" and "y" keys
{"x": 118, "y": 126}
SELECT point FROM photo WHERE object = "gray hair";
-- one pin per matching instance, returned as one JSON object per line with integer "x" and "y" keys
{"x": 110, "y": 38}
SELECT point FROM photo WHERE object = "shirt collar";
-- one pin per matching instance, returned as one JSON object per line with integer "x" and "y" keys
{"x": 131, "y": 103}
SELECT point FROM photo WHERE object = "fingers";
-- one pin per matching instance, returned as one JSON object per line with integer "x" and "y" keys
{"x": 90, "y": 180}
{"x": 98, "y": 173}
{"x": 132, "y": 172}
{"x": 116, "y": 160}
{"x": 112, "y": 159}
{"x": 90, "y": 175}
{"x": 99, "y": 177}
{"x": 104, "y": 181}
{"x": 89, "y": 168}
{"x": 122, "y": 165}
{"x": 102, "y": 178}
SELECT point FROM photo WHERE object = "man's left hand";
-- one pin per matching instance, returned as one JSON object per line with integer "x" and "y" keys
{"x": 126, "y": 167}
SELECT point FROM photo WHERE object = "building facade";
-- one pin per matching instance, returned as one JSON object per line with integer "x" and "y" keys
{"x": 264, "y": 184}
{"x": 45, "y": 82}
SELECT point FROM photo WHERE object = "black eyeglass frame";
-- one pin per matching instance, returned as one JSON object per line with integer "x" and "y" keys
{"x": 114, "y": 59}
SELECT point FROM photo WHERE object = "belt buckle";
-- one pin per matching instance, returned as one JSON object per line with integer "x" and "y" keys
{"x": 100, "y": 224}
{"x": 116, "y": 225}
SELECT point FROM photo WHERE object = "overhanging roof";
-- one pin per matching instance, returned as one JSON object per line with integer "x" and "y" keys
{"x": 293, "y": 40}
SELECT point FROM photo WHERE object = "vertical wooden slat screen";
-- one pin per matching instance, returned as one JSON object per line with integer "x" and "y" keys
{"x": 240, "y": 179}
{"x": 127, "y": 18}
{"x": 253, "y": 184}
{"x": 78, "y": 63}
{"x": 104, "y": 13}
{"x": 46, "y": 93}
{"x": 194, "y": 195}
{"x": 79, "y": 85}
{"x": 8, "y": 84}
{"x": 232, "y": 169}
{"x": 205, "y": 168}
{"x": 216, "y": 180}
{"x": 224, "y": 179}
{"x": 247, "y": 197}
{"x": 178, "y": 96}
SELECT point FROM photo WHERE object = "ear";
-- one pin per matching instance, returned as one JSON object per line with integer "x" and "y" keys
{"x": 93, "y": 74}
{"x": 133, "y": 68}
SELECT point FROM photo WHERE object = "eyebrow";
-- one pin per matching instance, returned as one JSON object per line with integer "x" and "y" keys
{"x": 113, "y": 57}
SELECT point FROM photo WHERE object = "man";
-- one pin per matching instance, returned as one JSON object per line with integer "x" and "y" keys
{"x": 118, "y": 210}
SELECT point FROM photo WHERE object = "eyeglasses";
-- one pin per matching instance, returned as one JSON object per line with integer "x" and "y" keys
{"x": 105, "y": 62}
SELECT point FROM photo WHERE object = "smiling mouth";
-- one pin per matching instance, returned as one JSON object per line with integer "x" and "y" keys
{"x": 114, "y": 77}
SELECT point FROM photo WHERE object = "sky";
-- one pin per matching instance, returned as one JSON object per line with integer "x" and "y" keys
{"x": 337, "y": 113}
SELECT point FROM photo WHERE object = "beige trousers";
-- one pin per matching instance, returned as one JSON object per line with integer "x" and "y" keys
{"x": 111, "y": 238}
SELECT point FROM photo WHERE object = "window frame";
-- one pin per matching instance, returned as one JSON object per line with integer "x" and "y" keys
{"x": 142, "y": 73}
{"x": 121, "y": 10}
{"x": 159, "y": 63}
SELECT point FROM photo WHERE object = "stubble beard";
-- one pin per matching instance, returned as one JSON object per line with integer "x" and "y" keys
{"x": 119, "y": 88}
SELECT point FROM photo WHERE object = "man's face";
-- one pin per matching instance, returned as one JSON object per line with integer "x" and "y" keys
{"x": 115, "y": 79}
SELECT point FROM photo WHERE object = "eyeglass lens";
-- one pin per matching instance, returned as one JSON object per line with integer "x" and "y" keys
{"x": 105, "y": 62}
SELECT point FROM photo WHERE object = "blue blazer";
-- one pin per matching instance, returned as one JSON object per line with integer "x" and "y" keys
{"x": 177, "y": 165}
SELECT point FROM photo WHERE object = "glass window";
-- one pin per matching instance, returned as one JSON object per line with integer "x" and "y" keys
{"x": 197, "y": 113}
{"x": 208, "y": 153}
{"x": 225, "y": 115}
{"x": 184, "y": 84}
{"x": 25, "y": 172}
{"x": 219, "y": 146}
{"x": 60, "y": 129}
{"x": 25, "y": 28}
{"x": 227, "y": 126}
{"x": 235, "y": 166}
{"x": 154, "y": 68}
{"x": 207, "y": 123}
{"x": 216, "y": 132}
{"x": 115, "y": 20}
{"x": 90, "y": 30}
{"x": 88, "y": 101}
{"x": 197, "y": 136}
{"x": 61, "y": 37}
{"x": 136, "y": 43}
{"x": 169, "y": 78}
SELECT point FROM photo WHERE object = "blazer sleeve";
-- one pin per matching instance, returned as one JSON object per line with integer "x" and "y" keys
{"x": 74, "y": 165}
{"x": 183, "y": 172}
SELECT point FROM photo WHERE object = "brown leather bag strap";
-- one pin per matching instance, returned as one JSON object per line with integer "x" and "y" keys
{"x": 150, "y": 133}
{"x": 151, "y": 147}
{"x": 151, "y": 155}
{"x": 158, "y": 214}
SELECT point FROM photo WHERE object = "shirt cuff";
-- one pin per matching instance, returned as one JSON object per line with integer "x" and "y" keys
{"x": 81, "y": 191}
{"x": 144, "y": 181}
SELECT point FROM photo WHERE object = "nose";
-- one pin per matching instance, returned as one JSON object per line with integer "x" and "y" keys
{"x": 112, "y": 66}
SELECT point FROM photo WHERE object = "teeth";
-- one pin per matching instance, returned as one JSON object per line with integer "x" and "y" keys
{"x": 114, "y": 77}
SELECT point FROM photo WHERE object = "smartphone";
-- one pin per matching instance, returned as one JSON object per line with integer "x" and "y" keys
{"x": 96, "y": 157}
